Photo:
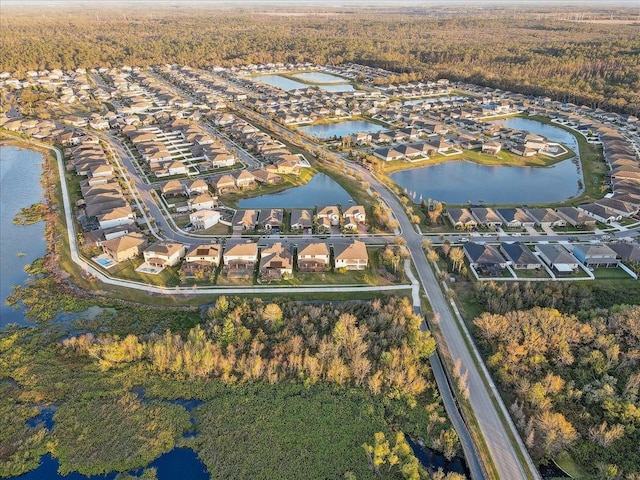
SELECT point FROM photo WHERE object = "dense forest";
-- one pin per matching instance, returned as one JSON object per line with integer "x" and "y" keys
{"x": 587, "y": 63}
{"x": 569, "y": 370}
{"x": 332, "y": 384}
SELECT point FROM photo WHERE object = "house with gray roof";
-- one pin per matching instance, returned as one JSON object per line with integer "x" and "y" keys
{"x": 484, "y": 258}
{"x": 519, "y": 256}
{"x": 595, "y": 255}
{"x": 557, "y": 257}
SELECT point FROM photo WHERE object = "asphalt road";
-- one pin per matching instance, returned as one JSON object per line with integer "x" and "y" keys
{"x": 505, "y": 455}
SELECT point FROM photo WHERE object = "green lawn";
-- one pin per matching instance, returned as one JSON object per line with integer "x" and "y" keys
{"x": 610, "y": 274}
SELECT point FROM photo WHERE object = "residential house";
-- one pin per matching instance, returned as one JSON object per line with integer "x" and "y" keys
{"x": 546, "y": 217}
{"x": 240, "y": 259}
{"x": 600, "y": 213}
{"x": 575, "y": 217}
{"x": 203, "y": 201}
{"x": 351, "y": 256}
{"x": 461, "y": 218}
{"x": 265, "y": 176}
{"x": 124, "y": 247}
{"x": 330, "y": 212}
{"x": 595, "y": 255}
{"x": 556, "y": 257}
{"x": 116, "y": 217}
{"x": 487, "y": 217}
{"x": 354, "y": 216}
{"x": 314, "y": 257}
{"x": 491, "y": 148}
{"x": 224, "y": 184}
{"x": 484, "y": 258}
{"x": 245, "y": 179}
{"x": 276, "y": 262}
{"x": 245, "y": 219}
{"x": 515, "y": 217}
{"x": 301, "y": 219}
{"x": 204, "y": 219}
{"x": 626, "y": 251}
{"x": 196, "y": 187}
{"x": 202, "y": 257}
{"x": 519, "y": 256}
{"x": 271, "y": 219}
{"x": 173, "y": 188}
{"x": 164, "y": 254}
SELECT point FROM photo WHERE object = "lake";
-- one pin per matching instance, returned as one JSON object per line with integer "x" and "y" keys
{"x": 288, "y": 84}
{"x": 318, "y": 78}
{"x": 340, "y": 129}
{"x": 459, "y": 182}
{"x": 20, "y": 172}
{"x": 320, "y": 190}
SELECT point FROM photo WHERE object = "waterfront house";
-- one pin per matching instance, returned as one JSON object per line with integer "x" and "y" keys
{"x": 461, "y": 218}
{"x": 546, "y": 217}
{"x": 329, "y": 212}
{"x": 124, "y": 247}
{"x": 271, "y": 219}
{"x": 575, "y": 217}
{"x": 487, "y": 217}
{"x": 301, "y": 219}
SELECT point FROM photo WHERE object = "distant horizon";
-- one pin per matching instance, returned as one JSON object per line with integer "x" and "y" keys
{"x": 586, "y": 4}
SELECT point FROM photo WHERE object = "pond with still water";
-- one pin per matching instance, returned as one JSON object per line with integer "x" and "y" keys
{"x": 321, "y": 190}
{"x": 459, "y": 182}
{"x": 340, "y": 129}
{"x": 319, "y": 78}
{"x": 288, "y": 84}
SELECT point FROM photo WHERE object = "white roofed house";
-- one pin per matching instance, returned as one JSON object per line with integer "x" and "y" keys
{"x": 164, "y": 254}
{"x": 276, "y": 262}
{"x": 351, "y": 256}
{"x": 204, "y": 219}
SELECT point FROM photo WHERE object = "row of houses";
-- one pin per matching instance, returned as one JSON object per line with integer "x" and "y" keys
{"x": 493, "y": 218}
{"x": 103, "y": 209}
{"x": 324, "y": 220}
{"x": 239, "y": 259}
{"x": 561, "y": 259}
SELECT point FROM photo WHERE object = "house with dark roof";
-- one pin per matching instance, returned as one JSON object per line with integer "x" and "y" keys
{"x": 546, "y": 217}
{"x": 519, "y": 256}
{"x": 557, "y": 257}
{"x": 484, "y": 258}
{"x": 486, "y": 217}
{"x": 461, "y": 218}
{"x": 575, "y": 217}
{"x": 515, "y": 217}
{"x": 626, "y": 251}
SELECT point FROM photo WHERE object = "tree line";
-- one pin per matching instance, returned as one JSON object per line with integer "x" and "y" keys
{"x": 572, "y": 383}
{"x": 593, "y": 64}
